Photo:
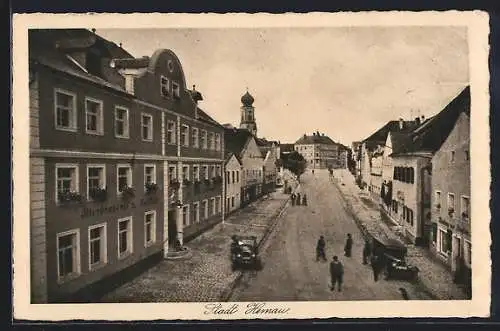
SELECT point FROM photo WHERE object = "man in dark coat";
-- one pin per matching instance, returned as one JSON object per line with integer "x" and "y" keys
{"x": 367, "y": 250}
{"x": 348, "y": 245}
{"x": 336, "y": 273}
{"x": 304, "y": 200}
{"x": 320, "y": 249}
{"x": 376, "y": 263}
{"x": 298, "y": 199}
{"x": 293, "y": 199}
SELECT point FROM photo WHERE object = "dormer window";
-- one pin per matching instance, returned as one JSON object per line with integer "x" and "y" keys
{"x": 164, "y": 86}
{"x": 176, "y": 90}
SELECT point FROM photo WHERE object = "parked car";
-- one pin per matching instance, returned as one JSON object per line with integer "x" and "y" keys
{"x": 393, "y": 253}
{"x": 244, "y": 253}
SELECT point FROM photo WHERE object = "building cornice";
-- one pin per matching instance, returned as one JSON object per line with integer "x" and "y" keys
{"x": 116, "y": 156}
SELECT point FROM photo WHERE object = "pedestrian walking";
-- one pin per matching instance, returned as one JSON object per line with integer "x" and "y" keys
{"x": 336, "y": 273}
{"x": 304, "y": 200}
{"x": 348, "y": 245}
{"x": 367, "y": 250}
{"x": 320, "y": 249}
{"x": 376, "y": 263}
{"x": 313, "y": 171}
{"x": 293, "y": 199}
{"x": 298, "y": 199}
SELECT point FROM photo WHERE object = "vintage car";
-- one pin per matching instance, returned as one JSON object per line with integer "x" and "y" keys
{"x": 392, "y": 255}
{"x": 244, "y": 253}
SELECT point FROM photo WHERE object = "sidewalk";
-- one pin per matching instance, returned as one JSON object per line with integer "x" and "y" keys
{"x": 207, "y": 275}
{"x": 433, "y": 276}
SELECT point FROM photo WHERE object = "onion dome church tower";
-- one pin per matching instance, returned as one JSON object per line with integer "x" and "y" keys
{"x": 247, "y": 114}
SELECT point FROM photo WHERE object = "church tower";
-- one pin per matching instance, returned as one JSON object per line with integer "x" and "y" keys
{"x": 247, "y": 114}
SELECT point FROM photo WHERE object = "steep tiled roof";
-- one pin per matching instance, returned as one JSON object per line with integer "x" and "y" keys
{"x": 380, "y": 136}
{"x": 235, "y": 140}
{"x": 265, "y": 142}
{"x": 431, "y": 135}
{"x": 203, "y": 116}
{"x": 43, "y": 49}
{"x": 314, "y": 139}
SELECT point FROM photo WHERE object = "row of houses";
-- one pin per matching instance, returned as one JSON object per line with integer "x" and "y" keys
{"x": 419, "y": 170}
{"x": 125, "y": 167}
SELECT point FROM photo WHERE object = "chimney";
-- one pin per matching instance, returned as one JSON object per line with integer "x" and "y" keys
{"x": 323, "y": 134}
{"x": 93, "y": 30}
{"x": 422, "y": 119}
{"x": 120, "y": 45}
{"x": 417, "y": 120}
{"x": 314, "y": 134}
{"x": 401, "y": 123}
{"x": 196, "y": 104}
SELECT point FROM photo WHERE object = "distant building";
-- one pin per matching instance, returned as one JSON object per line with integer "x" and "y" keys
{"x": 321, "y": 152}
{"x": 248, "y": 114}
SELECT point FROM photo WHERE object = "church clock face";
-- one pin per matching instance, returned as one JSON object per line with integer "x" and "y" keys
{"x": 170, "y": 65}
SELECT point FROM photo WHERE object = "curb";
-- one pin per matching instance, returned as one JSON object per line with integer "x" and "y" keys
{"x": 418, "y": 283}
{"x": 228, "y": 292}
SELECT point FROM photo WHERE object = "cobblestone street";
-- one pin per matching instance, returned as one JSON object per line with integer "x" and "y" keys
{"x": 433, "y": 276}
{"x": 207, "y": 275}
{"x": 291, "y": 272}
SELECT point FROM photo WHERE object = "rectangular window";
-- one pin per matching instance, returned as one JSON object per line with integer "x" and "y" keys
{"x": 97, "y": 246}
{"x": 232, "y": 202}
{"x": 147, "y": 127}
{"x": 443, "y": 241}
{"x": 196, "y": 207}
{"x": 68, "y": 254}
{"x": 204, "y": 139}
{"x": 172, "y": 173}
{"x": 217, "y": 142}
{"x": 219, "y": 171}
{"x": 124, "y": 177}
{"x": 149, "y": 174}
{"x": 121, "y": 122}
{"x": 204, "y": 206}
{"x": 185, "y": 135}
{"x": 467, "y": 155}
{"x": 211, "y": 141}
{"x": 232, "y": 176}
{"x": 124, "y": 237}
{"x": 149, "y": 228}
{"x": 196, "y": 172}
{"x": 185, "y": 172}
{"x": 218, "y": 205}
{"x": 65, "y": 110}
{"x": 93, "y": 116}
{"x": 452, "y": 156}
{"x": 171, "y": 134}
{"x": 468, "y": 253}
{"x": 205, "y": 172}
{"x": 228, "y": 177}
{"x": 212, "y": 205}
{"x": 451, "y": 202}
{"x": 195, "y": 137}
{"x": 164, "y": 86}
{"x": 437, "y": 198}
{"x": 464, "y": 208}
{"x": 96, "y": 179}
{"x": 185, "y": 215}
{"x": 237, "y": 176}
{"x": 67, "y": 180}
{"x": 176, "y": 91}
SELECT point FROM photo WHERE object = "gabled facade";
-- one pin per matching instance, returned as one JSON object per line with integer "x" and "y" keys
{"x": 233, "y": 180}
{"x": 321, "y": 152}
{"x": 253, "y": 176}
{"x": 451, "y": 199}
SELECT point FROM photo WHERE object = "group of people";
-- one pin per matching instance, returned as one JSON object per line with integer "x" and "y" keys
{"x": 336, "y": 267}
{"x": 296, "y": 199}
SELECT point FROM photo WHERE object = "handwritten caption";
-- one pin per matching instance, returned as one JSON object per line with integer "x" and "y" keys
{"x": 254, "y": 308}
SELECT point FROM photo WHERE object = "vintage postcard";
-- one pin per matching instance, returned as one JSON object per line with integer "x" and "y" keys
{"x": 237, "y": 166}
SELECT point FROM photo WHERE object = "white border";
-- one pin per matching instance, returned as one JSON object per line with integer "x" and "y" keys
{"x": 477, "y": 23}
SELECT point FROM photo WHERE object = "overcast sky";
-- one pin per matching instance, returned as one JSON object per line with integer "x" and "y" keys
{"x": 344, "y": 82}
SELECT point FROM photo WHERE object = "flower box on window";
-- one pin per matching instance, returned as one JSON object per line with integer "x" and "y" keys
{"x": 207, "y": 181}
{"x": 451, "y": 210}
{"x": 151, "y": 188}
{"x": 69, "y": 197}
{"x": 99, "y": 194}
{"x": 128, "y": 192}
{"x": 465, "y": 216}
{"x": 175, "y": 184}
{"x": 438, "y": 206}
{"x": 186, "y": 182}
